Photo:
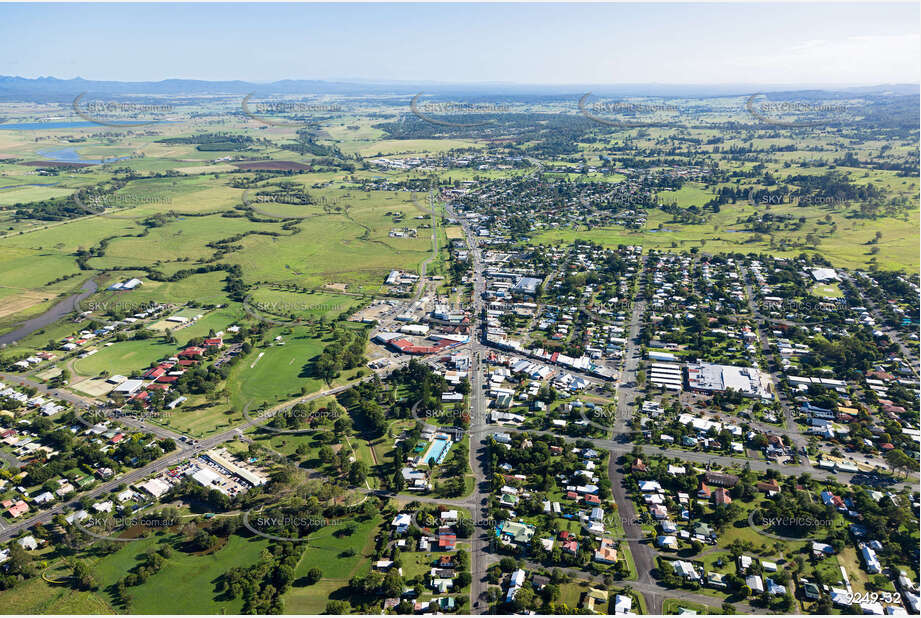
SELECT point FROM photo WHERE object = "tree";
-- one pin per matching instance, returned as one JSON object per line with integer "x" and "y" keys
{"x": 550, "y": 593}
{"x": 342, "y": 425}
{"x": 464, "y": 528}
{"x": 204, "y": 540}
{"x": 283, "y": 576}
{"x": 326, "y": 454}
{"x": 898, "y": 460}
{"x": 508, "y": 564}
{"x": 524, "y": 598}
{"x": 393, "y": 584}
{"x": 20, "y": 562}
{"x": 358, "y": 473}
{"x": 82, "y": 576}
{"x": 337, "y": 607}
{"x": 398, "y": 483}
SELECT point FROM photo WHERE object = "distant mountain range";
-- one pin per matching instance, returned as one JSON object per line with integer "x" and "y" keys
{"x": 52, "y": 89}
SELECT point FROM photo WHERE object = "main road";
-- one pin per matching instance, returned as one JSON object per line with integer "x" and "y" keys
{"x": 479, "y": 429}
{"x": 183, "y": 452}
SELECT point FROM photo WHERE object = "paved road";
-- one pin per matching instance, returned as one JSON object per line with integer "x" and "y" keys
{"x": 911, "y": 356}
{"x": 799, "y": 441}
{"x": 182, "y": 453}
{"x": 644, "y": 556}
{"x": 14, "y": 529}
{"x": 88, "y": 403}
{"x": 59, "y": 393}
{"x": 654, "y": 594}
{"x": 479, "y": 456}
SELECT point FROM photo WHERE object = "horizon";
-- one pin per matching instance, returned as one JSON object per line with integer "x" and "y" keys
{"x": 547, "y": 44}
{"x": 358, "y": 81}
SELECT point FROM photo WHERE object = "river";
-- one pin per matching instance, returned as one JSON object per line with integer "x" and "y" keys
{"x": 52, "y": 315}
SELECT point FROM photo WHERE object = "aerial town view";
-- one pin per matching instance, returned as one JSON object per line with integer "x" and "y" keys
{"x": 417, "y": 308}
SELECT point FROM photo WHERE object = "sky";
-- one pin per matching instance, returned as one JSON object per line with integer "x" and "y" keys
{"x": 796, "y": 43}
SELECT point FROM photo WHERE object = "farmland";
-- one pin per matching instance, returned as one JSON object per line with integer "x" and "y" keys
{"x": 370, "y": 361}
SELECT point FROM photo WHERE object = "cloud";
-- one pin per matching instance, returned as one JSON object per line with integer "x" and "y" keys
{"x": 863, "y": 58}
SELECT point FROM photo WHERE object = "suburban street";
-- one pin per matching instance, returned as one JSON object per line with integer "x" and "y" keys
{"x": 618, "y": 444}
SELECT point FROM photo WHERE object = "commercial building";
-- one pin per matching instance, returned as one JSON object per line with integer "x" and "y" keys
{"x": 748, "y": 381}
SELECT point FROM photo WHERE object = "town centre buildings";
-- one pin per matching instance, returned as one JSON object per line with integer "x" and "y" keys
{"x": 748, "y": 381}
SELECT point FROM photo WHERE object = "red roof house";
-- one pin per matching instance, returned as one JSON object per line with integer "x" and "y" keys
{"x": 446, "y": 542}
{"x": 18, "y": 509}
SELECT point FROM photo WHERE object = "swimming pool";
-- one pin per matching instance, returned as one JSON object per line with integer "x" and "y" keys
{"x": 437, "y": 451}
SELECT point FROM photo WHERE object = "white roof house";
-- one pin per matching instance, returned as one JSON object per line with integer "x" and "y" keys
{"x": 754, "y": 582}
{"x": 155, "y": 487}
{"x": 622, "y": 604}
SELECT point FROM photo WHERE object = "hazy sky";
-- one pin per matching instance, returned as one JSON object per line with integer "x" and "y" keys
{"x": 524, "y": 43}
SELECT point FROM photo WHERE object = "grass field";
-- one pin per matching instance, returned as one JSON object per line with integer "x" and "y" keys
{"x": 454, "y": 231}
{"x": 125, "y": 357}
{"x": 198, "y": 417}
{"x": 312, "y": 599}
{"x": 279, "y": 370}
{"x": 188, "y": 584}
{"x": 36, "y": 596}
{"x": 847, "y": 248}
{"x": 284, "y": 305}
{"x": 572, "y": 592}
{"x": 327, "y": 550}
{"x": 827, "y": 290}
{"x": 346, "y": 243}
{"x": 671, "y": 606}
